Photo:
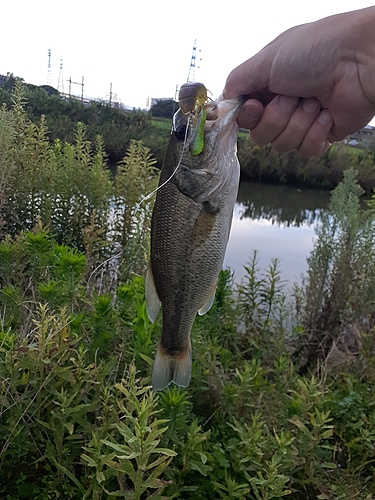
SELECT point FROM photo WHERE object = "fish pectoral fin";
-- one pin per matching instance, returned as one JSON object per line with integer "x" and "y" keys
{"x": 152, "y": 299}
{"x": 208, "y": 304}
{"x": 169, "y": 369}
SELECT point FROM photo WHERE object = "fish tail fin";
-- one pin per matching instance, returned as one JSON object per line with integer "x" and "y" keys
{"x": 171, "y": 369}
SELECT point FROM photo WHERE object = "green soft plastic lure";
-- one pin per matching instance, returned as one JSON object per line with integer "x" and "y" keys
{"x": 193, "y": 97}
{"x": 198, "y": 143}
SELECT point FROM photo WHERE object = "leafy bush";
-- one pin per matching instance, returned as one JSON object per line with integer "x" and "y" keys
{"x": 281, "y": 398}
{"x": 339, "y": 291}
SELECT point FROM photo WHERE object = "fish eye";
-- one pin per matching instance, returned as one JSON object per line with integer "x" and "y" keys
{"x": 180, "y": 132}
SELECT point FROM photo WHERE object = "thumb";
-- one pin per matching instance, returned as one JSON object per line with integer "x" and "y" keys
{"x": 251, "y": 113}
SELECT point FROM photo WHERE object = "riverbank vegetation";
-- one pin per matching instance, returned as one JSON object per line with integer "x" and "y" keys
{"x": 117, "y": 128}
{"x": 263, "y": 164}
{"x": 281, "y": 402}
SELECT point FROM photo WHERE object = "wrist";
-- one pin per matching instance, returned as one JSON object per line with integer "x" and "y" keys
{"x": 361, "y": 48}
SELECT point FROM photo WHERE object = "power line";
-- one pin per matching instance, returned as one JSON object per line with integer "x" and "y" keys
{"x": 76, "y": 83}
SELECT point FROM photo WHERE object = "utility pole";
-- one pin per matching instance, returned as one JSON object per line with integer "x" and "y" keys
{"x": 49, "y": 68}
{"x": 60, "y": 84}
{"x": 175, "y": 99}
{"x": 191, "y": 74}
{"x": 75, "y": 83}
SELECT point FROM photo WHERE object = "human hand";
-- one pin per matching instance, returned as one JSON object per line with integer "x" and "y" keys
{"x": 313, "y": 85}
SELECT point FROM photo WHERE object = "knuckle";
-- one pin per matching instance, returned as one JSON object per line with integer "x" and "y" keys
{"x": 282, "y": 147}
{"x": 259, "y": 138}
{"x": 311, "y": 149}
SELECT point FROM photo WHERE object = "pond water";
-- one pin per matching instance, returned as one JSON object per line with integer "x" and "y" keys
{"x": 277, "y": 221}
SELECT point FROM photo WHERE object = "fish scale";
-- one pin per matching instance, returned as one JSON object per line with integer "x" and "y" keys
{"x": 189, "y": 234}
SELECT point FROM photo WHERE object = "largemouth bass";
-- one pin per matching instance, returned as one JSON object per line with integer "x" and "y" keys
{"x": 190, "y": 225}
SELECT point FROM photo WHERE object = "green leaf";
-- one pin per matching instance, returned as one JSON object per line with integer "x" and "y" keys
{"x": 155, "y": 433}
{"x": 326, "y": 434}
{"x": 100, "y": 477}
{"x": 44, "y": 424}
{"x": 91, "y": 461}
{"x": 302, "y": 427}
{"x": 157, "y": 462}
{"x": 203, "y": 469}
{"x": 79, "y": 408}
{"x": 127, "y": 467}
{"x": 165, "y": 451}
{"x": 125, "y": 431}
{"x": 68, "y": 474}
{"x": 146, "y": 358}
{"x": 203, "y": 456}
{"x": 329, "y": 465}
{"x": 70, "y": 427}
{"x": 122, "y": 449}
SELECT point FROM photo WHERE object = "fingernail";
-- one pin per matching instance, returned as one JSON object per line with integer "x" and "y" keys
{"x": 310, "y": 105}
{"x": 287, "y": 102}
{"x": 325, "y": 117}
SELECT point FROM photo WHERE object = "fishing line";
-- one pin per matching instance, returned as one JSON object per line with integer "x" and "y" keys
{"x": 147, "y": 197}
{"x": 138, "y": 205}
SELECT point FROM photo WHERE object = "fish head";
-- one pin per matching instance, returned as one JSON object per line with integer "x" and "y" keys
{"x": 213, "y": 125}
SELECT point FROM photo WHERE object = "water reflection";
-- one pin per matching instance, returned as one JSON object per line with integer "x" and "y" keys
{"x": 278, "y": 221}
{"x": 281, "y": 205}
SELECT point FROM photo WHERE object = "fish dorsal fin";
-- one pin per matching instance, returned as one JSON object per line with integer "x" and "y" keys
{"x": 152, "y": 299}
{"x": 208, "y": 304}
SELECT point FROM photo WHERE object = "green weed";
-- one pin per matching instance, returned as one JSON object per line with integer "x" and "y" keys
{"x": 281, "y": 402}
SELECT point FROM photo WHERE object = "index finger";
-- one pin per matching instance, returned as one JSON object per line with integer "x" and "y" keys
{"x": 249, "y": 78}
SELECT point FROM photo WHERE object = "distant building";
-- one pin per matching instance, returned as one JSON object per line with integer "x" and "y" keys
{"x": 3, "y": 79}
{"x": 155, "y": 100}
{"x": 363, "y": 136}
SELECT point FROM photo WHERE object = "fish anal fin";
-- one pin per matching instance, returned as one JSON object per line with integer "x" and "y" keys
{"x": 152, "y": 299}
{"x": 169, "y": 369}
{"x": 208, "y": 304}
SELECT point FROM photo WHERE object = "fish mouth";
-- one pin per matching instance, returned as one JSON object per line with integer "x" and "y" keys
{"x": 219, "y": 134}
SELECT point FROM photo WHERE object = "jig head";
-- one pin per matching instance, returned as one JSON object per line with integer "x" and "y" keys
{"x": 192, "y": 98}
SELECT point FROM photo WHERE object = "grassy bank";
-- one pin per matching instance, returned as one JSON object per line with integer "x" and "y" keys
{"x": 262, "y": 164}
{"x": 281, "y": 402}
{"x": 118, "y": 128}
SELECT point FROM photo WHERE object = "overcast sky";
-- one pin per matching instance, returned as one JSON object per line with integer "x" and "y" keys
{"x": 144, "y": 47}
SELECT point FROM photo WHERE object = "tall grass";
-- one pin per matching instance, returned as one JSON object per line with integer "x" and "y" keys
{"x": 339, "y": 289}
{"x": 78, "y": 419}
{"x": 274, "y": 408}
{"x": 68, "y": 189}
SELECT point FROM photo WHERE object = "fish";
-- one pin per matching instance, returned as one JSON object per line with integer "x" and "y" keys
{"x": 190, "y": 225}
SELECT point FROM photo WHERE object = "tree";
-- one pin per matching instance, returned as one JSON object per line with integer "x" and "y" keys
{"x": 11, "y": 81}
{"x": 164, "y": 108}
